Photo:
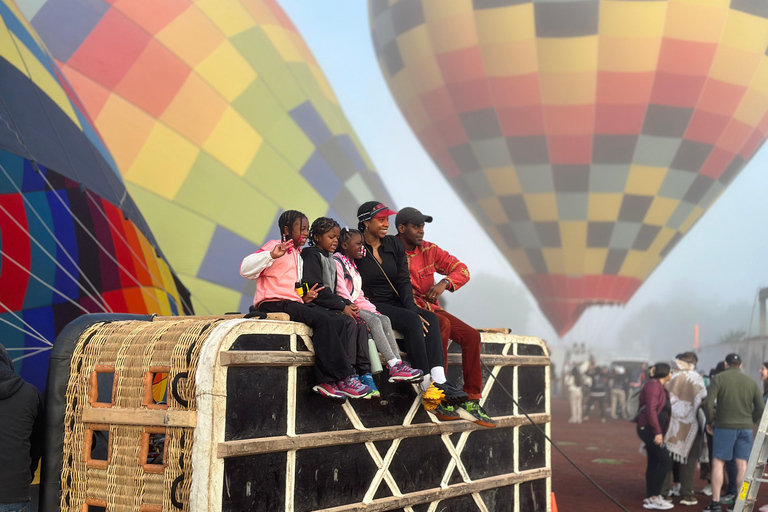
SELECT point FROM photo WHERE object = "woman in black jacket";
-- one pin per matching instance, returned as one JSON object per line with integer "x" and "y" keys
{"x": 387, "y": 284}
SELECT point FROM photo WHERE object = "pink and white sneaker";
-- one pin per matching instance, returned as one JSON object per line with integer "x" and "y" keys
{"x": 402, "y": 372}
{"x": 329, "y": 390}
{"x": 352, "y": 387}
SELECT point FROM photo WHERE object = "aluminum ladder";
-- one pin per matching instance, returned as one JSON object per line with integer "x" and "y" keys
{"x": 755, "y": 474}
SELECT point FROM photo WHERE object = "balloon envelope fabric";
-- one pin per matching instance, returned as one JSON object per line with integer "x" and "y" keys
{"x": 586, "y": 136}
{"x": 219, "y": 119}
{"x": 71, "y": 239}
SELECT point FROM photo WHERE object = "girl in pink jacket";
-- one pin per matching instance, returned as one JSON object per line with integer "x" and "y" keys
{"x": 349, "y": 286}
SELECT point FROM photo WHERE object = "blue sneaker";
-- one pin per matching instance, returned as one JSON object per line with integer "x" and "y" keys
{"x": 367, "y": 379}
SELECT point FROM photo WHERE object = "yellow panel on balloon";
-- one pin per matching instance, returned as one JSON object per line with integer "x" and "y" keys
{"x": 632, "y": 19}
{"x": 594, "y": 261}
{"x": 510, "y": 59}
{"x": 660, "y": 211}
{"x": 518, "y": 258}
{"x": 554, "y": 260}
{"x": 513, "y": 23}
{"x": 691, "y": 22}
{"x": 503, "y": 180}
{"x": 435, "y": 10}
{"x": 574, "y": 239}
{"x": 163, "y": 163}
{"x": 228, "y": 15}
{"x": 604, "y": 207}
{"x": 234, "y": 142}
{"x": 629, "y": 55}
{"x": 745, "y": 32}
{"x": 541, "y": 206}
{"x": 634, "y": 264}
{"x": 567, "y": 55}
{"x": 195, "y": 123}
{"x": 8, "y": 49}
{"x": 751, "y": 109}
{"x": 426, "y": 76}
{"x": 493, "y": 210}
{"x": 451, "y": 34}
{"x": 568, "y": 88}
{"x": 735, "y": 66}
{"x": 283, "y": 43}
{"x": 418, "y": 44}
{"x": 760, "y": 82}
{"x": 191, "y": 36}
{"x": 662, "y": 239}
{"x": 227, "y": 71}
{"x": 120, "y": 120}
{"x": 645, "y": 181}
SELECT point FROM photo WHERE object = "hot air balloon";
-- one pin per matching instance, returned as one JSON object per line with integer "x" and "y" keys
{"x": 586, "y": 137}
{"x": 71, "y": 240}
{"x": 219, "y": 119}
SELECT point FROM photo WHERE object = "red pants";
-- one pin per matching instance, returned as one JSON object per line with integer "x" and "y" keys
{"x": 453, "y": 329}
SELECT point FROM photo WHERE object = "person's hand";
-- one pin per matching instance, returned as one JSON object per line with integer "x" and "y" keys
{"x": 355, "y": 309}
{"x": 658, "y": 440}
{"x": 710, "y": 430}
{"x": 280, "y": 249}
{"x": 435, "y": 291}
{"x": 424, "y": 324}
{"x": 349, "y": 311}
{"x": 312, "y": 293}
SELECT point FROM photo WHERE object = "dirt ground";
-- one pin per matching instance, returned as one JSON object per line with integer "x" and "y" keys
{"x": 608, "y": 452}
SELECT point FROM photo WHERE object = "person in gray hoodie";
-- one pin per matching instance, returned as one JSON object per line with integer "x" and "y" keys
{"x": 21, "y": 431}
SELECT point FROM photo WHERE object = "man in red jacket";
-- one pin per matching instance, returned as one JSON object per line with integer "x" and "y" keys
{"x": 424, "y": 260}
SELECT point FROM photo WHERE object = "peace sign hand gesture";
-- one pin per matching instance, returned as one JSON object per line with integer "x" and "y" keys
{"x": 280, "y": 249}
{"x": 312, "y": 293}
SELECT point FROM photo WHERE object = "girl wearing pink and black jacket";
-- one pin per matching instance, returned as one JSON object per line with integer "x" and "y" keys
{"x": 652, "y": 423}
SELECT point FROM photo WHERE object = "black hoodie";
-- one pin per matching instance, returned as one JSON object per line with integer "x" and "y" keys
{"x": 21, "y": 429}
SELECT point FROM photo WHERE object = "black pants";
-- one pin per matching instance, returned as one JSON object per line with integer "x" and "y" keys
{"x": 600, "y": 400}
{"x": 659, "y": 462}
{"x": 330, "y": 336}
{"x": 425, "y": 351}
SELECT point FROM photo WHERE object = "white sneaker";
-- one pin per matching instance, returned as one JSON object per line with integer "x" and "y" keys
{"x": 675, "y": 489}
{"x": 657, "y": 503}
{"x": 707, "y": 491}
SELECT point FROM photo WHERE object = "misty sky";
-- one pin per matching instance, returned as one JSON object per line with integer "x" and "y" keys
{"x": 711, "y": 277}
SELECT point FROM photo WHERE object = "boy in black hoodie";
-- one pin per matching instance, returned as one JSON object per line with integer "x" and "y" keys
{"x": 21, "y": 429}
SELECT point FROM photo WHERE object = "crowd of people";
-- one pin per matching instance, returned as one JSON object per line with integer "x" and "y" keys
{"x": 685, "y": 420}
{"x": 350, "y": 283}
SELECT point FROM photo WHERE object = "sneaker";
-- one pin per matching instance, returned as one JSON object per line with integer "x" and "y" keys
{"x": 707, "y": 491}
{"x": 728, "y": 499}
{"x": 675, "y": 490}
{"x": 713, "y": 507}
{"x": 472, "y": 411}
{"x": 452, "y": 394}
{"x": 432, "y": 397}
{"x": 367, "y": 380}
{"x": 689, "y": 500}
{"x": 329, "y": 390}
{"x": 446, "y": 412}
{"x": 353, "y": 388}
{"x": 656, "y": 503}
{"x": 402, "y": 372}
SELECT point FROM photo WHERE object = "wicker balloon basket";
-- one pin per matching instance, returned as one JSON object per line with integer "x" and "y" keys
{"x": 217, "y": 414}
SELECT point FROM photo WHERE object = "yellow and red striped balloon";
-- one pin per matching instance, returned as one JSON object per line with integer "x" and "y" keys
{"x": 586, "y": 136}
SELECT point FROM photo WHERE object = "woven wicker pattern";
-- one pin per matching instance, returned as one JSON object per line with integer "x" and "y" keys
{"x": 134, "y": 349}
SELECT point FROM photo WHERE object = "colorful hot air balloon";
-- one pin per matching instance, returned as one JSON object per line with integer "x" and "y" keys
{"x": 587, "y": 136}
{"x": 219, "y": 119}
{"x": 71, "y": 239}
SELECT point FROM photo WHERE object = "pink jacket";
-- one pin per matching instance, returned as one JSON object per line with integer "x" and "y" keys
{"x": 352, "y": 290}
{"x": 275, "y": 278}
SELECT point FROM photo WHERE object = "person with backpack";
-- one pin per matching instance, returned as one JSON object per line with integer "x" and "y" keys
{"x": 652, "y": 424}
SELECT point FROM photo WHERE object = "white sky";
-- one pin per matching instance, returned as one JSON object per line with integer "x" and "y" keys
{"x": 723, "y": 256}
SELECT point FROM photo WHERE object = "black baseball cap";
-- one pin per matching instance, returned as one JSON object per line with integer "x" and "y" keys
{"x": 733, "y": 360}
{"x": 411, "y": 215}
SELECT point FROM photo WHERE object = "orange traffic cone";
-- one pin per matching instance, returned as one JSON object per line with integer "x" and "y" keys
{"x": 554, "y": 503}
